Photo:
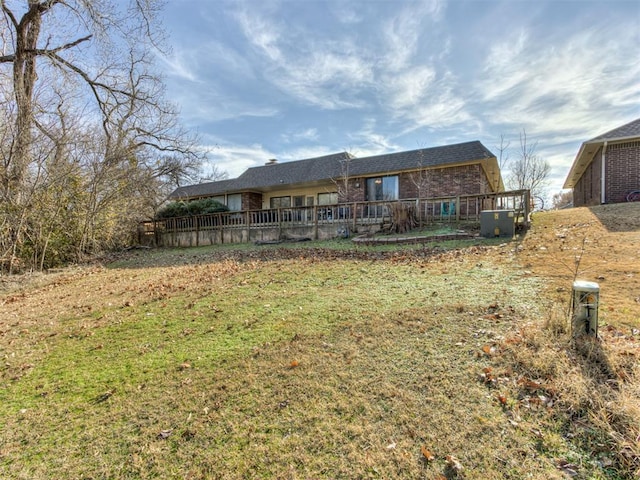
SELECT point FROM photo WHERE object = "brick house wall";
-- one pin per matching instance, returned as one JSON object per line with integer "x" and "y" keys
{"x": 445, "y": 182}
{"x": 441, "y": 182}
{"x": 622, "y": 165}
{"x": 622, "y": 174}
{"x": 251, "y": 201}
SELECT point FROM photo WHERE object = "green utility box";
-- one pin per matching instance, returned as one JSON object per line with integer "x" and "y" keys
{"x": 497, "y": 223}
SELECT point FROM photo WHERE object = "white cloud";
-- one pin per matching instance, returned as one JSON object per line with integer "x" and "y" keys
{"x": 310, "y": 134}
{"x": 178, "y": 65}
{"x": 409, "y": 88}
{"x": 235, "y": 159}
{"x": 301, "y": 153}
{"x": 403, "y": 32}
{"x": 554, "y": 88}
{"x": 370, "y": 141}
{"x": 261, "y": 33}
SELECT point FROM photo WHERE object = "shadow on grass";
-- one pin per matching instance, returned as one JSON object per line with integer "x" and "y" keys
{"x": 608, "y": 426}
{"x": 621, "y": 217}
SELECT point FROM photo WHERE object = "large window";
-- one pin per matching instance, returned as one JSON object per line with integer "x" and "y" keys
{"x": 328, "y": 198}
{"x": 382, "y": 188}
{"x": 234, "y": 202}
{"x": 280, "y": 202}
{"x": 298, "y": 201}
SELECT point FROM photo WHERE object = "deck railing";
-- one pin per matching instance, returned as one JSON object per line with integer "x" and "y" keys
{"x": 453, "y": 209}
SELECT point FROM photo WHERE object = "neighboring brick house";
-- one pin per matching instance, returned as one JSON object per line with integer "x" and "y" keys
{"x": 607, "y": 167}
{"x": 461, "y": 169}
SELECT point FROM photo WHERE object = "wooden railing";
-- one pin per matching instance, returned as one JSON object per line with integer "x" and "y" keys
{"x": 461, "y": 208}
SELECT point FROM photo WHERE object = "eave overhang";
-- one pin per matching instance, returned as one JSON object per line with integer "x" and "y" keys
{"x": 587, "y": 153}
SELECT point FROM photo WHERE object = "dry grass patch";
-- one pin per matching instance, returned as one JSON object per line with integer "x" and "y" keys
{"x": 593, "y": 386}
{"x": 288, "y": 363}
{"x": 281, "y": 369}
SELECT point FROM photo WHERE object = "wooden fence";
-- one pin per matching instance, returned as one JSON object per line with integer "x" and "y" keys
{"x": 341, "y": 219}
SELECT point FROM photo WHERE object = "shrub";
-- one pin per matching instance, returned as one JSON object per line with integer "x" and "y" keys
{"x": 188, "y": 209}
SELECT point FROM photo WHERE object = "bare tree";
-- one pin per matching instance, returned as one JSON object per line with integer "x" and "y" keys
{"x": 63, "y": 52}
{"x": 344, "y": 183}
{"x": 503, "y": 152}
{"x": 213, "y": 174}
{"x": 562, "y": 199}
{"x": 529, "y": 171}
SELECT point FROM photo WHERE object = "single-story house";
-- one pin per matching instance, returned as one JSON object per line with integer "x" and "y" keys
{"x": 451, "y": 170}
{"x": 607, "y": 167}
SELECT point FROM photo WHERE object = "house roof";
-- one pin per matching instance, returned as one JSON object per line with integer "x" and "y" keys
{"x": 322, "y": 169}
{"x": 588, "y": 149}
{"x": 205, "y": 189}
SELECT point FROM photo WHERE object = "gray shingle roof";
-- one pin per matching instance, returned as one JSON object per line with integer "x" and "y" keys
{"x": 629, "y": 130}
{"x": 291, "y": 173}
{"x": 424, "y": 157}
{"x": 331, "y": 167}
{"x": 202, "y": 189}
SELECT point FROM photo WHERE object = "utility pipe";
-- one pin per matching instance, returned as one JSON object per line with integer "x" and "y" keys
{"x": 602, "y": 176}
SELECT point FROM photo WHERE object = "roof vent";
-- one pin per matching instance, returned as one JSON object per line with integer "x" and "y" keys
{"x": 272, "y": 161}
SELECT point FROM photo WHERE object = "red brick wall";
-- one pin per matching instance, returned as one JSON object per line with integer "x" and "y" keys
{"x": 251, "y": 201}
{"x": 622, "y": 164}
{"x": 622, "y": 174}
{"x": 355, "y": 191}
{"x": 445, "y": 182}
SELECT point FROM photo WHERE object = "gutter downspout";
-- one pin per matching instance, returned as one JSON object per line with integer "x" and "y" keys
{"x": 602, "y": 176}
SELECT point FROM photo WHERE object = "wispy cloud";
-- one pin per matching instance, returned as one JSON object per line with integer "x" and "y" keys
{"x": 178, "y": 65}
{"x": 553, "y": 88}
{"x": 310, "y": 134}
{"x": 235, "y": 159}
{"x": 404, "y": 31}
{"x": 372, "y": 77}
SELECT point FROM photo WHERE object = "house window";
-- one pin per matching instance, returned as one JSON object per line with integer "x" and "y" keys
{"x": 280, "y": 202}
{"x": 448, "y": 208}
{"x": 219, "y": 199}
{"x": 382, "y": 188}
{"x": 234, "y": 202}
{"x": 298, "y": 201}
{"x": 328, "y": 198}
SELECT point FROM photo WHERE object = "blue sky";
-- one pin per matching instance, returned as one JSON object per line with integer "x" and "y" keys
{"x": 297, "y": 79}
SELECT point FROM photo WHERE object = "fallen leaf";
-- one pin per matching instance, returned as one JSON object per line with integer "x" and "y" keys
{"x": 530, "y": 384}
{"x": 427, "y": 454}
{"x": 454, "y": 463}
{"x": 502, "y": 399}
{"x": 294, "y": 364}
{"x": 164, "y": 434}
{"x": 489, "y": 349}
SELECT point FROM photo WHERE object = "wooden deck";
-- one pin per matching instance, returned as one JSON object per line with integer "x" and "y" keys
{"x": 324, "y": 221}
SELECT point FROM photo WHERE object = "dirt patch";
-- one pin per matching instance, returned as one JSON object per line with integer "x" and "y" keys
{"x": 599, "y": 244}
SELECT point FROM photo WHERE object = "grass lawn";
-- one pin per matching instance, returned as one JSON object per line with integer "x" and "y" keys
{"x": 318, "y": 362}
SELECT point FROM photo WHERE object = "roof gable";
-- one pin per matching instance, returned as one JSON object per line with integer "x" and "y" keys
{"x": 588, "y": 149}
